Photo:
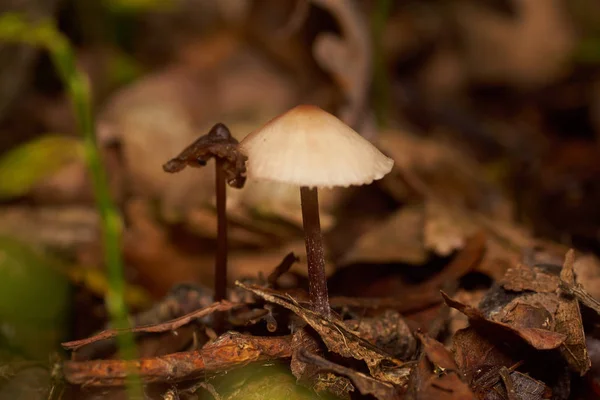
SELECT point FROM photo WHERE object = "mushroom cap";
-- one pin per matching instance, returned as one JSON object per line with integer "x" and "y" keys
{"x": 307, "y": 146}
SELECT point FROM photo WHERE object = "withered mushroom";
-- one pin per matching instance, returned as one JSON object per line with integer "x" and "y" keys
{"x": 230, "y": 168}
{"x": 311, "y": 148}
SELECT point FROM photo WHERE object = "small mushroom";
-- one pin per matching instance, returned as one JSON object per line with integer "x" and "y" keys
{"x": 311, "y": 148}
{"x": 230, "y": 168}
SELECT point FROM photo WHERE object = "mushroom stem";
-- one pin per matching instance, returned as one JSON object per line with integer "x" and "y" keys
{"x": 221, "y": 255}
{"x": 317, "y": 280}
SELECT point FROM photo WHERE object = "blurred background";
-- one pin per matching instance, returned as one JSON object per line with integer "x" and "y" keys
{"x": 490, "y": 109}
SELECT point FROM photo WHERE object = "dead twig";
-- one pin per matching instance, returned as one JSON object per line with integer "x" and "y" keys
{"x": 157, "y": 328}
{"x": 281, "y": 269}
{"x": 228, "y": 351}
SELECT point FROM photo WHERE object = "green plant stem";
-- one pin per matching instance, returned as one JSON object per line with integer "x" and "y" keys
{"x": 14, "y": 28}
{"x": 381, "y": 80}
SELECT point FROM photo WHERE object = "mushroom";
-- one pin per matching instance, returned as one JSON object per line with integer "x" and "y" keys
{"x": 230, "y": 168}
{"x": 311, "y": 148}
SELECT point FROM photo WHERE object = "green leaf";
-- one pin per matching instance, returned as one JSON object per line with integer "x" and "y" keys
{"x": 34, "y": 301}
{"x": 27, "y": 165}
{"x": 256, "y": 382}
{"x": 140, "y": 5}
{"x": 123, "y": 69}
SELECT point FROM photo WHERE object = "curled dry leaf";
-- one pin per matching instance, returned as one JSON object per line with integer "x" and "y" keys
{"x": 436, "y": 375}
{"x": 476, "y": 354}
{"x": 568, "y": 322}
{"x": 538, "y": 304}
{"x": 217, "y": 143}
{"x": 338, "y": 338}
{"x": 538, "y": 338}
{"x": 490, "y": 368}
{"x": 388, "y": 331}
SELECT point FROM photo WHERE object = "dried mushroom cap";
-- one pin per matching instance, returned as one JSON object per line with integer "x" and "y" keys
{"x": 307, "y": 146}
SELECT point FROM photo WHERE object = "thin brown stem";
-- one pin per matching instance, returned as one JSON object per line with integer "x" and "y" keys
{"x": 221, "y": 254}
{"x": 221, "y": 257}
{"x": 317, "y": 280}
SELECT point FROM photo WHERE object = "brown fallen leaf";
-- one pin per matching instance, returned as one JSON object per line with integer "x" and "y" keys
{"x": 157, "y": 251}
{"x": 442, "y": 234}
{"x": 541, "y": 339}
{"x": 388, "y": 331}
{"x": 338, "y": 338}
{"x": 476, "y": 355}
{"x": 516, "y": 386}
{"x": 446, "y": 172}
{"x": 523, "y": 315}
{"x": 489, "y": 367}
{"x": 437, "y": 354}
{"x": 397, "y": 239}
{"x": 523, "y": 277}
{"x": 414, "y": 297}
{"x": 569, "y": 323}
{"x": 527, "y": 51}
{"x": 436, "y": 375}
{"x": 587, "y": 269}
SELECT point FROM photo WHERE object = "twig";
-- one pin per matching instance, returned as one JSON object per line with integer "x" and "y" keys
{"x": 206, "y": 386}
{"x": 281, "y": 269}
{"x": 508, "y": 383}
{"x": 157, "y": 328}
{"x": 581, "y": 295}
{"x": 229, "y": 351}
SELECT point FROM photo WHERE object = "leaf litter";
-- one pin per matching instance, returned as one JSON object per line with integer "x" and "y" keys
{"x": 439, "y": 222}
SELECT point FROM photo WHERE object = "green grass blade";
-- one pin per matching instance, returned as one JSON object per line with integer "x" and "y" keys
{"x": 15, "y": 29}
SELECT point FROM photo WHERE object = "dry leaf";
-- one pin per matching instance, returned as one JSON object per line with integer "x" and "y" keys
{"x": 541, "y": 339}
{"x": 388, "y": 331}
{"x": 436, "y": 375}
{"x": 304, "y": 341}
{"x": 397, "y": 239}
{"x": 528, "y": 50}
{"x": 523, "y": 277}
{"x": 568, "y": 322}
{"x": 521, "y": 387}
{"x": 337, "y": 337}
{"x": 476, "y": 353}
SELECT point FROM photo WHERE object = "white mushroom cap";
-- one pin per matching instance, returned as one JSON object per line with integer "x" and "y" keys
{"x": 307, "y": 146}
